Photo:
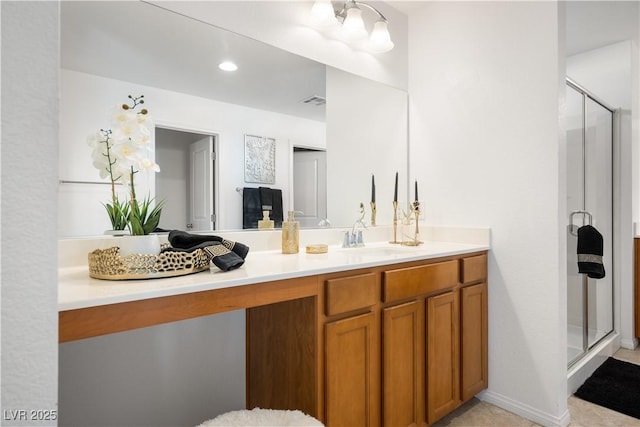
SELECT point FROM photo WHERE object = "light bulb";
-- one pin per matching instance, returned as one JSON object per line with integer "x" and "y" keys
{"x": 228, "y": 66}
{"x": 353, "y": 26}
{"x": 322, "y": 14}
{"x": 380, "y": 40}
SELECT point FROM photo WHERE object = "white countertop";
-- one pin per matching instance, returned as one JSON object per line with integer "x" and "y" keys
{"x": 78, "y": 290}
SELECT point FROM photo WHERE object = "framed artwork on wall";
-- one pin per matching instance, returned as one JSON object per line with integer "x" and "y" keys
{"x": 259, "y": 159}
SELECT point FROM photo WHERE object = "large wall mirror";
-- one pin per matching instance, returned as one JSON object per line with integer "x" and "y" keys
{"x": 315, "y": 115}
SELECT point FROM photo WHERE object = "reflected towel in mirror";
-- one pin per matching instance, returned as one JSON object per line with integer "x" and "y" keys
{"x": 255, "y": 200}
{"x": 251, "y": 207}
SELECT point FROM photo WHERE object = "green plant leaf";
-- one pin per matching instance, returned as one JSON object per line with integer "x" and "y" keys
{"x": 144, "y": 218}
{"x": 118, "y": 214}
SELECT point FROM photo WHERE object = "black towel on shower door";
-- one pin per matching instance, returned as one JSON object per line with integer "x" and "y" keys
{"x": 251, "y": 207}
{"x": 590, "y": 251}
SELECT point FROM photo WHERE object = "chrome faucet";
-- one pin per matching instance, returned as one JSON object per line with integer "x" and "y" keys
{"x": 324, "y": 223}
{"x": 354, "y": 238}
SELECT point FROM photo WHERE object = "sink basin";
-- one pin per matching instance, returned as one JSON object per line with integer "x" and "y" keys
{"x": 379, "y": 250}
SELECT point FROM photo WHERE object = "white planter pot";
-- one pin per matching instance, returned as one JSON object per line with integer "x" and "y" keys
{"x": 116, "y": 233}
{"x": 144, "y": 245}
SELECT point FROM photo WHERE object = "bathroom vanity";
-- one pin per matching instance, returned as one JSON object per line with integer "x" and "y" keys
{"x": 379, "y": 335}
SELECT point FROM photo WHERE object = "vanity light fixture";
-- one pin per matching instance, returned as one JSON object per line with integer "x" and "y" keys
{"x": 227, "y": 66}
{"x": 353, "y": 27}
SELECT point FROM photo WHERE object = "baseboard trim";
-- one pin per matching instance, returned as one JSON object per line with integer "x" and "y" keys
{"x": 629, "y": 344}
{"x": 525, "y": 410}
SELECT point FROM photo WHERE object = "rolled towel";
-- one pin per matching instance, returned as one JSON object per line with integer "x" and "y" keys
{"x": 590, "y": 251}
{"x": 217, "y": 253}
{"x": 182, "y": 239}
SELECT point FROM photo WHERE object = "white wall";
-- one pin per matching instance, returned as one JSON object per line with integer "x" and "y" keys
{"x": 28, "y": 197}
{"x": 285, "y": 24}
{"x": 605, "y": 72}
{"x": 366, "y": 134}
{"x": 485, "y": 84}
{"x": 85, "y": 102}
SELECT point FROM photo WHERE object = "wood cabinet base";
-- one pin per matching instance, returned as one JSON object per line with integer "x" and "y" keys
{"x": 400, "y": 345}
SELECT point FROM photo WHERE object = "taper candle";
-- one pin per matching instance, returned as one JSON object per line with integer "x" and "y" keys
{"x": 416, "y": 190}
{"x": 395, "y": 193}
{"x": 373, "y": 188}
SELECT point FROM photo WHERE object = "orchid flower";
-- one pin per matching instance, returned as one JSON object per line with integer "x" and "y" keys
{"x": 118, "y": 154}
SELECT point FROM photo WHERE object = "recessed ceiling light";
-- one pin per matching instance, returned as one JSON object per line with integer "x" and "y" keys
{"x": 228, "y": 66}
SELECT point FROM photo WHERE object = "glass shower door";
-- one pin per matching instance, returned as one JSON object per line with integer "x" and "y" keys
{"x": 589, "y": 201}
{"x": 599, "y": 201}
{"x": 575, "y": 202}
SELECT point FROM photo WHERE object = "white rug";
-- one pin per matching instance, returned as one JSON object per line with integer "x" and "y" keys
{"x": 263, "y": 417}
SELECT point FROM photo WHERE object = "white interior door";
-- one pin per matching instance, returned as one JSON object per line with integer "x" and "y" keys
{"x": 200, "y": 213}
{"x": 310, "y": 186}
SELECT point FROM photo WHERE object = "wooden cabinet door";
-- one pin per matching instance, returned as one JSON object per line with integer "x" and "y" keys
{"x": 636, "y": 281}
{"x": 282, "y": 356}
{"x": 403, "y": 365}
{"x": 442, "y": 356}
{"x": 473, "y": 342}
{"x": 352, "y": 372}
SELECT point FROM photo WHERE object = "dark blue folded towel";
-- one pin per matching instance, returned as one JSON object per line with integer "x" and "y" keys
{"x": 184, "y": 240}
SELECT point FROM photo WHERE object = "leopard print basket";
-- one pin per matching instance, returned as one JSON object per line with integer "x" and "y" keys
{"x": 107, "y": 264}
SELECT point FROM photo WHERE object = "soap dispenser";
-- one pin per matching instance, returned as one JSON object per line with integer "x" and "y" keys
{"x": 290, "y": 234}
{"x": 265, "y": 223}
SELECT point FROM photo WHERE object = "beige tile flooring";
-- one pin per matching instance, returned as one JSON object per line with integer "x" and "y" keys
{"x": 583, "y": 414}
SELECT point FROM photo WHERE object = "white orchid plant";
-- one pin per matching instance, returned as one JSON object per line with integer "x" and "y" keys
{"x": 119, "y": 154}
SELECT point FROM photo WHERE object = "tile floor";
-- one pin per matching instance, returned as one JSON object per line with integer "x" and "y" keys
{"x": 583, "y": 414}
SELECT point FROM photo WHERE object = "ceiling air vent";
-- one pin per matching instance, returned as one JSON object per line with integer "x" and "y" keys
{"x": 314, "y": 100}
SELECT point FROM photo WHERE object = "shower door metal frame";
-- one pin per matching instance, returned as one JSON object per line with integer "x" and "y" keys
{"x": 586, "y": 94}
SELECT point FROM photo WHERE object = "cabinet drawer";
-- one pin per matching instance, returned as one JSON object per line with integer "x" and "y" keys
{"x": 409, "y": 282}
{"x": 350, "y": 293}
{"x": 474, "y": 269}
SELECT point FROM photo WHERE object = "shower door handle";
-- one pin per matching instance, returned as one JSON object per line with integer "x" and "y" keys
{"x": 573, "y": 229}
